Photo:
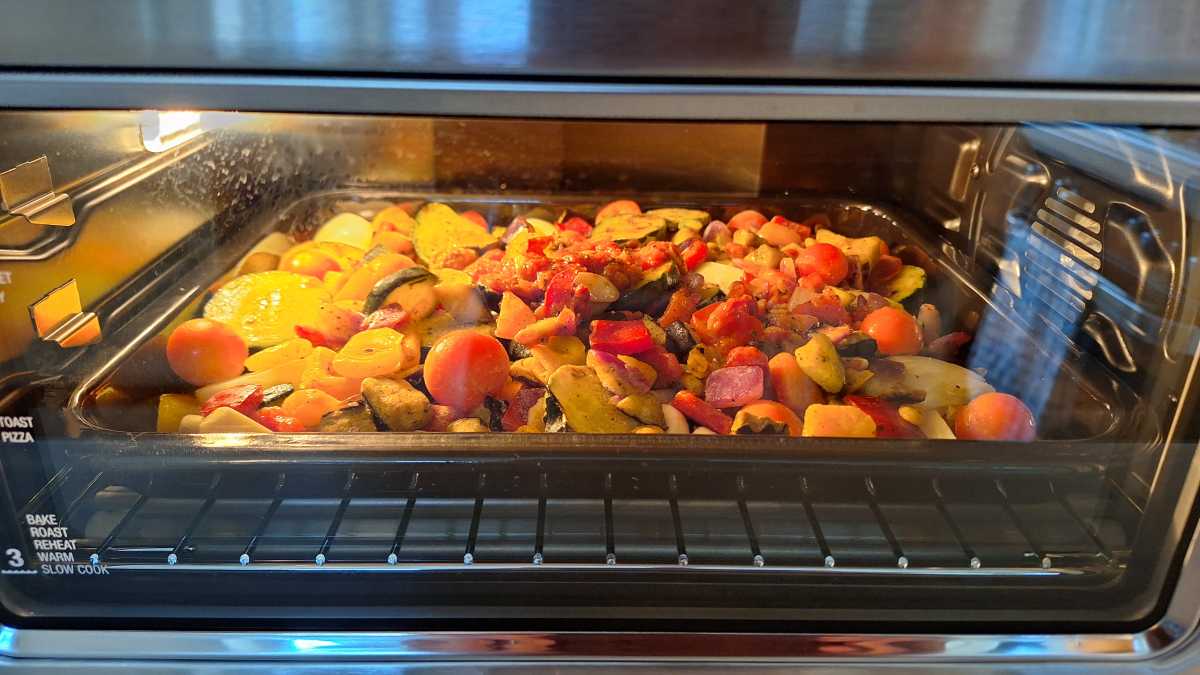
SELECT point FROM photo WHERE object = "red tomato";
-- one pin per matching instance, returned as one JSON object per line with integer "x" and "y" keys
{"x": 747, "y": 220}
{"x": 995, "y": 417}
{"x": 618, "y": 208}
{"x": 465, "y": 367}
{"x": 244, "y": 399}
{"x": 476, "y": 217}
{"x": 894, "y": 330}
{"x": 825, "y": 260}
{"x": 203, "y": 352}
{"x": 735, "y": 319}
{"x": 576, "y": 224}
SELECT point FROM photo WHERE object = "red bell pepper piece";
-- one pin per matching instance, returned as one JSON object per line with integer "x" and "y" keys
{"x": 621, "y": 337}
{"x": 576, "y": 224}
{"x": 681, "y": 305}
{"x": 888, "y": 422}
{"x": 697, "y": 410}
{"x": 277, "y": 419}
{"x": 695, "y": 252}
{"x": 517, "y": 413}
{"x": 244, "y": 399}
{"x": 664, "y": 363}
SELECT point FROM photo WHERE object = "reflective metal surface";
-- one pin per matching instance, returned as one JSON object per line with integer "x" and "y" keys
{"x": 501, "y": 98}
{"x": 985, "y": 41}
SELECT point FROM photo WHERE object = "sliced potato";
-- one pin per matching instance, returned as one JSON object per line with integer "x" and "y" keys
{"x": 819, "y": 359}
{"x": 942, "y": 383}
{"x": 720, "y": 275}
{"x": 440, "y": 230}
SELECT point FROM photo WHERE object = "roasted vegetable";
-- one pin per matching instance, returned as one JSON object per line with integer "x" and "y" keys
{"x": 464, "y": 301}
{"x": 653, "y": 293}
{"x": 818, "y": 358}
{"x": 227, "y": 421}
{"x": 720, "y": 275}
{"x": 734, "y": 386}
{"x": 411, "y": 288}
{"x": 620, "y": 374}
{"x": 264, "y": 308}
{"x": 346, "y": 228}
{"x": 287, "y": 373}
{"x": 910, "y": 280}
{"x": 766, "y": 417}
{"x": 643, "y": 407}
{"x": 563, "y": 350}
{"x": 172, "y": 408}
{"x": 700, "y": 412}
{"x": 273, "y": 396}
{"x": 467, "y": 425}
{"x": 629, "y": 227}
{"x": 279, "y": 355}
{"x": 578, "y": 402}
{"x": 837, "y": 420}
{"x": 679, "y": 339}
{"x": 866, "y": 249}
{"x": 352, "y": 418}
{"x": 396, "y": 404}
{"x": 691, "y": 219}
{"x": 933, "y": 383}
{"x": 440, "y": 230}
{"x": 792, "y": 387}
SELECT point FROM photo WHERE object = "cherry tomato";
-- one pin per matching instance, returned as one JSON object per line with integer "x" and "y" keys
{"x": 735, "y": 319}
{"x": 995, "y": 417}
{"x": 203, "y": 352}
{"x": 894, "y": 330}
{"x": 825, "y": 260}
{"x": 312, "y": 262}
{"x": 747, "y": 220}
{"x": 618, "y": 208}
{"x": 475, "y": 217}
{"x": 464, "y": 367}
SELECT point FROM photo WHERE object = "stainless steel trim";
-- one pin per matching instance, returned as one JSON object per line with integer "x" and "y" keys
{"x": 1103, "y": 41}
{"x": 501, "y": 98}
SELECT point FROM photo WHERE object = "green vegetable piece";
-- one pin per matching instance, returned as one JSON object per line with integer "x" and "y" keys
{"x": 910, "y": 280}
{"x": 580, "y": 403}
{"x": 628, "y": 227}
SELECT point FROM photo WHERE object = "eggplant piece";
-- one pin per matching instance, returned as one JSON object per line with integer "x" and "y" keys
{"x": 352, "y": 418}
{"x": 415, "y": 278}
{"x": 396, "y": 404}
{"x": 417, "y": 380}
{"x": 652, "y": 295}
{"x": 629, "y": 227}
{"x": 576, "y": 401}
{"x": 496, "y": 409}
{"x": 516, "y": 350}
{"x": 491, "y": 299}
{"x": 555, "y": 418}
{"x": 275, "y": 395}
{"x": 858, "y": 344}
{"x": 687, "y": 219}
{"x": 679, "y": 339}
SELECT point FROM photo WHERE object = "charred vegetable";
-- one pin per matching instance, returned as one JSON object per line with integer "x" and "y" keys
{"x": 275, "y": 395}
{"x": 396, "y": 404}
{"x": 679, "y": 339}
{"x": 356, "y": 417}
{"x": 412, "y": 289}
{"x": 654, "y": 291}
{"x": 578, "y": 402}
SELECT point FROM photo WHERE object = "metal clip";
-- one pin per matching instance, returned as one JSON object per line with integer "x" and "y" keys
{"x": 27, "y": 192}
{"x": 59, "y": 317}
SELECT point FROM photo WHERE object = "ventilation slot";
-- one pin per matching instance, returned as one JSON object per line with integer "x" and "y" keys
{"x": 1062, "y": 260}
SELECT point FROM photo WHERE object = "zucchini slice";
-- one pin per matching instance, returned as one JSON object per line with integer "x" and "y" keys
{"x": 653, "y": 292}
{"x": 352, "y": 418}
{"x": 576, "y": 401}
{"x": 628, "y": 227}
{"x": 391, "y": 288}
{"x": 690, "y": 219}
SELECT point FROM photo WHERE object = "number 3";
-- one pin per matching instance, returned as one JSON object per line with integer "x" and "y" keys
{"x": 14, "y": 558}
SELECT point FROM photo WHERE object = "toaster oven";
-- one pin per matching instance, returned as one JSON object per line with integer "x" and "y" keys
{"x": 154, "y": 510}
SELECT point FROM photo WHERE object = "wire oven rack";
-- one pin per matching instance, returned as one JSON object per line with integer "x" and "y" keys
{"x": 434, "y": 518}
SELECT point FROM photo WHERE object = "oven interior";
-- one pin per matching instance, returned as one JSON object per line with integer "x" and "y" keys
{"x": 1064, "y": 247}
